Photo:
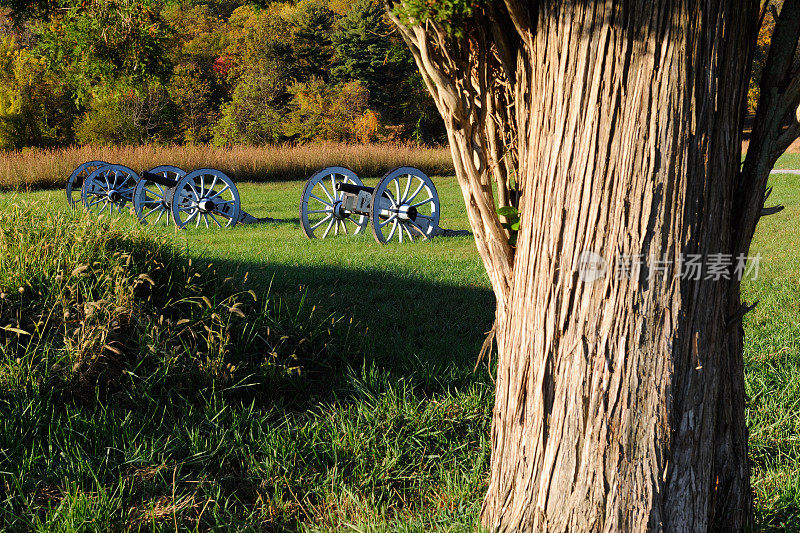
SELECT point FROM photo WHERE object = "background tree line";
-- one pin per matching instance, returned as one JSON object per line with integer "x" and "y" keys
{"x": 225, "y": 72}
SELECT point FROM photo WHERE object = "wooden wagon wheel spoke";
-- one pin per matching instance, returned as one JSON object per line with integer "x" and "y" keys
{"x": 77, "y": 178}
{"x": 397, "y": 189}
{"x": 226, "y": 188}
{"x": 328, "y": 228}
{"x": 217, "y": 222}
{"x": 224, "y": 214}
{"x": 154, "y": 210}
{"x": 195, "y": 192}
{"x": 408, "y": 188}
{"x": 415, "y": 193}
{"x": 388, "y": 220}
{"x": 356, "y": 226}
{"x": 423, "y": 202}
{"x": 321, "y": 222}
{"x": 408, "y": 232}
{"x": 314, "y": 196}
{"x": 416, "y": 227}
{"x": 394, "y": 228}
{"x": 151, "y": 197}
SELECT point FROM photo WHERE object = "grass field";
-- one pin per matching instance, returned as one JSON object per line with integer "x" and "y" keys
{"x": 788, "y": 161}
{"x": 353, "y": 407}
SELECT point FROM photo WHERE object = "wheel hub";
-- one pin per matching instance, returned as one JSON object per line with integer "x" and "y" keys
{"x": 114, "y": 195}
{"x": 407, "y": 212}
{"x": 206, "y": 206}
{"x": 339, "y": 211}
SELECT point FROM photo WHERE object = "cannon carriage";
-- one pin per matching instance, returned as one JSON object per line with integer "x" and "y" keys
{"x": 205, "y": 197}
{"x": 404, "y": 205}
{"x": 162, "y": 195}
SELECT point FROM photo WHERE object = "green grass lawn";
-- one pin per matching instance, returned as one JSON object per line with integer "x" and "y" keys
{"x": 395, "y": 436}
{"x": 772, "y": 361}
{"x": 788, "y": 161}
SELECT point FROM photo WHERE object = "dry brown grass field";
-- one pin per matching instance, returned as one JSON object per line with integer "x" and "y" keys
{"x": 49, "y": 168}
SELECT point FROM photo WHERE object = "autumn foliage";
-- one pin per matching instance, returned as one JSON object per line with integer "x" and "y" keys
{"x": 186, "y": 72}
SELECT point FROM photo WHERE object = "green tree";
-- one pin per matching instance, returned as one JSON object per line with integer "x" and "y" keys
{"x": 197, "y": 34}
{"x": 192, "y": 94}
{"x": 92, "y": 43}
{"x": 34, "y": 107}
{"x": 253, "y": 115}
{"x": 363, "y": 48}
{"x": 325, "y": 112}
{"x": 124, "y": 115}
{"x": 22, "y": 10}
{"x": 369, "y": 50}
{"x": 311, "y": 44}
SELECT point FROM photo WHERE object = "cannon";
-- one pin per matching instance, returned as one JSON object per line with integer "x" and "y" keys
{"x": 150, "y": 197}
{"x": 403, "y": 206}
{"x": 162, "y": 195}
{"x": 202, "y": 197}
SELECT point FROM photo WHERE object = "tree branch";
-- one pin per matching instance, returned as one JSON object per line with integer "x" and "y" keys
{"x": 785, "y": 140}
{"x": 767, "y": 211}
{"x": 780, "y": 97}
{"x": 460, "y": 73}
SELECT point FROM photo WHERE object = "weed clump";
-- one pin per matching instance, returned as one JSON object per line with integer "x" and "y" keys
{"x": 90, "y": 308}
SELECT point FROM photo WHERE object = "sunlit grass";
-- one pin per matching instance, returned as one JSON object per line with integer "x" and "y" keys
{"x": 387, "y": 429}
{"x": 772, "y": 361}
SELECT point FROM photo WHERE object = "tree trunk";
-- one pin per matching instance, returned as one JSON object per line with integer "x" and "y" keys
{"x": 620, "y": 401}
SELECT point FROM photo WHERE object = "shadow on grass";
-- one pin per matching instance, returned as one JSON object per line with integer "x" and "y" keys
{"x": 269, "y": 220}
{"x": 161, "y": 449}
{"x": 427, "y": 332}
{"x": 778, "y": 517}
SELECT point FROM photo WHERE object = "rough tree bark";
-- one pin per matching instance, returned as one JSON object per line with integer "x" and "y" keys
{"x": 615, "y": 127}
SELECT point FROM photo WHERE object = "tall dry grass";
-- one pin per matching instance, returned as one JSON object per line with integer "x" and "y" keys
{"x": 49, "y": 168}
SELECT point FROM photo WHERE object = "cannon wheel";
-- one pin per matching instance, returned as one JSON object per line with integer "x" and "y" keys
{"x": 205, "y": 197}
{"x": 151, "y": 199}
{"x": 76, "y": 179}
{"x": 321, "y": 204}
{"x": 108, "y": 188}
{"x": 405, "y": 206}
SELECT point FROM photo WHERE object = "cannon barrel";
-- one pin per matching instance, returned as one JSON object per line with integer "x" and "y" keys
{"x": 352, "y": 188}
{"x": 159, "y": 178}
